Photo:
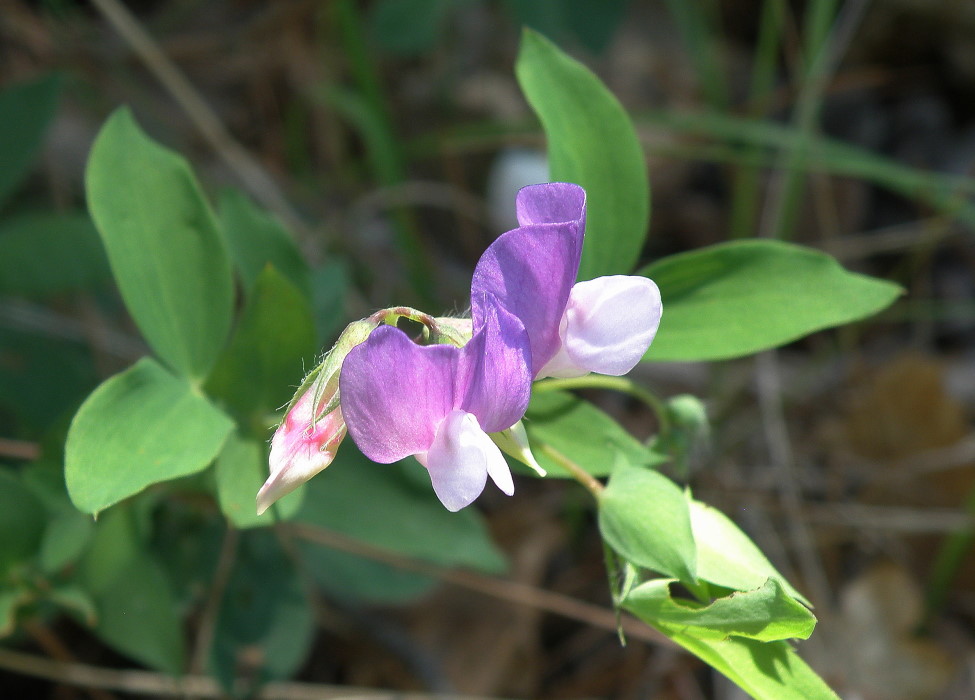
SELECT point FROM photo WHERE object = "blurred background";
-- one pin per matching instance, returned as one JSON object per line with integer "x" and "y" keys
{"x": 389, "y": 138}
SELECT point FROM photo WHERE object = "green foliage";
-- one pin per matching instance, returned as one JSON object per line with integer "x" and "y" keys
{"x": 568, "y": 425}
{"x": 21, "y": 522}
{"x": 742, "y": 297}
{"x": 727, "y": 557}
{"x": 136, "y": 610}
{"x": 264, "y": 606}
{"x": 26, "y": 110}
{"x": 256, "y": 238}
{"x": 72, "y": 259}
{"x": 138, "y": 428}
{"x": 766, "y": 614}
{"x": 591, "y": 142}
{"x": 240, "y": 471}
{"x": 266, "y": 357}
{"x": 163, "y": 243}
{"x": 764, "y": 670}
{"x": 644, "y": 517}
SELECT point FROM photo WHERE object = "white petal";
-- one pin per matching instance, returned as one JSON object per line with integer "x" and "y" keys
{"x": 460, "y": 459}
{"x": 610, "y": 322}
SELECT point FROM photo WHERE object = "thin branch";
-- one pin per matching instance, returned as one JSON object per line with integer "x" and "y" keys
{"x": 19, "y": 449}
{"x": 511, "y": 591}
{"x": 592, "y": 484}
{"x": 158, "y": 684}
{"x": 254, "y": 178}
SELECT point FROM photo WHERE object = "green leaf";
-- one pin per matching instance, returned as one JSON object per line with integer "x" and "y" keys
{"x": 591, "y": 142}
{"x": 643, "y": 516}
{"x": 255, "y": 238}
{"x": 136, "y": 611}
{"x": 764, "y": 670}
{"x": 408, "y": 27}
{"x": 405, "y": 517}
{"x": 241, "y": 470}
{"x": 583, "y": 433}
{"x": 67, "y": 535}
{"x": 163, "y": 243}
{"x": 739, "y": 298}
{"x": 263, "y": 607}
{"x": 329, "y": 282}
{"x": 766, "y": 614}
{"x": 26, "y": 110}
{"x": 21, "y": 521}
{"x": 138, "y": 428}
{"x": 727, "y": 557}
{"x": 47, "y": 253}
{"x": 266, "y": 358}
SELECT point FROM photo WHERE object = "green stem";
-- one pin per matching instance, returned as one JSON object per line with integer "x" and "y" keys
{"x": 592, "y": 484}
{"x": 621, "y": 384}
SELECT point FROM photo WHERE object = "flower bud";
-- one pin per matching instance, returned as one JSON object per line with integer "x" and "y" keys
{"x": 313, "y": 428}
{"x": 514, "y": 442}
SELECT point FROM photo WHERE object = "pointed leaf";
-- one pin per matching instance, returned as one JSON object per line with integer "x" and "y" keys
{"x": 21, "y": 521}
{"x": 767, "y": 613}
{"x": 643, "y": 515}
{"x": 163, "y": 244}
{"x": 138, "y": 428}
{"x": 726, "y": 556}
{"x": 591, "y": 142}
{"x": 739, "y": 298}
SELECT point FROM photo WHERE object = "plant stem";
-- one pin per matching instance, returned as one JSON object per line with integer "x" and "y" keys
{"x": 592, "y": 484}
{"x": 621, "y": 384}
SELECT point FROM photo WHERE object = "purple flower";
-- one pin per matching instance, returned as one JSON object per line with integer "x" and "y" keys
{"x": 603, "y": 325}
{"x": 439, "y": 402}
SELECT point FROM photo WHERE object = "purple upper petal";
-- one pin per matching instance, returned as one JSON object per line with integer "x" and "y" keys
{"x": 395, "y": 393}
{"x": 550, "y": 203}
{"x": 531, "y": 269}
{"x": 495, "y": 376}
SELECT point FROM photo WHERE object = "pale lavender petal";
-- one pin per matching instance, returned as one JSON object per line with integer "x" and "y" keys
{"x": 395, "y": 393}
{"x": 458, "y": 460}
{"x": 610, "y": 322}
{"x": 550, "y": 203}
{"x": 495, "y": 375}
{"x": 531, "y": 269}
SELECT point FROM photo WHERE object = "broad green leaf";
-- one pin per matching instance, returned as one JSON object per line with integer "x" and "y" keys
{"x": 264, "y": 607}
{"x": 408, "y": 27}
{"x": 47, "y": 253}
{"x": 766, "y": 614}
{"x": 583, "y": 433}
{"x": 136, "y": 612}
{"x": 26, "y": 110}
{"x": 271, "y": 346}
{"x": 74, "y": 599}
{"x": 138, "y": 428}
{"x": 255, "y": 238}
{"x": 643, "y": 516}
{"x": 727, "y": 557}
{"x": 404, "y": 517}
{"x": 764, "y": 670}
{"x": 163, "y": 243}
{"x": 241, "y": 470}
{"x": 67, "y": 535}
{"x": 739, "y": 298}
{"x": 591, "y": 142}
{"x": 21, "y": 521}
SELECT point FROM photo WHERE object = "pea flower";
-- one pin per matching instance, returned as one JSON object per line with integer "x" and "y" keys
{"x": 439, "y": 402}
{"x": 603, "y": 325}
{"x": 313, "y": 427}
